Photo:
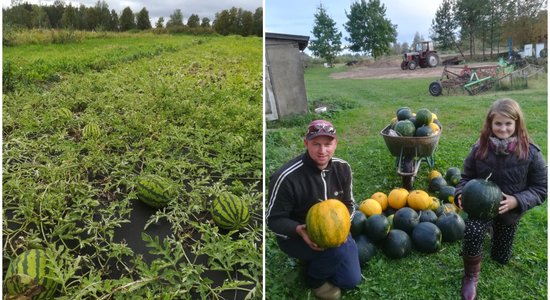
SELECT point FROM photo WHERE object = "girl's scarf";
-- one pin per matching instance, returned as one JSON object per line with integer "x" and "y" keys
{"x": 503, "y": 147}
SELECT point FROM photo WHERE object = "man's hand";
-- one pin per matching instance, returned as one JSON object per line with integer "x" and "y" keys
{"x": 302, "y": 231}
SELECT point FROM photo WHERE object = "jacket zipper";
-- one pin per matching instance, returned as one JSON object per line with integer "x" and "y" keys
{"x": 323, "y": 175}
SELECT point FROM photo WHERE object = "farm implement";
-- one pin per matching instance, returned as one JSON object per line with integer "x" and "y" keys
{"x": 475, "y": 80}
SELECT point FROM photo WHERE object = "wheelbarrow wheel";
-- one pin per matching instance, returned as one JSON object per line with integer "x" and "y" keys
{"x": 407, "y": 167}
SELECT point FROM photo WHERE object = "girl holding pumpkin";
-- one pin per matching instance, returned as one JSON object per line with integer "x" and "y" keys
{"x": 506, "y": 152}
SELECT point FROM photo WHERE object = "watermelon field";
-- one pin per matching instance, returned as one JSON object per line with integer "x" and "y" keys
{"x": 83, "y": 121}
{"x": 360, "y": 109}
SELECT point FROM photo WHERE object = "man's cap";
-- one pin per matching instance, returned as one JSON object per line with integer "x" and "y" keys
{"x": 320, "y": 128}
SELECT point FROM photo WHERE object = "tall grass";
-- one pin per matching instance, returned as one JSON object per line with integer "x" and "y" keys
{"x": 419, "y": 276}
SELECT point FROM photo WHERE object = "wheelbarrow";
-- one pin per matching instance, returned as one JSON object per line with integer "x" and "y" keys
{"x": 410, "y": 152}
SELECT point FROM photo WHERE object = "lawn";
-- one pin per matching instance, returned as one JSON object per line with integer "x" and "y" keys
{"x": 360, "y": 109}
{"x": 187, "y": 108}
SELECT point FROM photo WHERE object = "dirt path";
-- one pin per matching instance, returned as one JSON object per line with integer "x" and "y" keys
{"x": 390, "y": 68}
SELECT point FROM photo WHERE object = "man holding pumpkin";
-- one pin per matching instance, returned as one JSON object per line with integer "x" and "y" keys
{"x": 312, "y": 177}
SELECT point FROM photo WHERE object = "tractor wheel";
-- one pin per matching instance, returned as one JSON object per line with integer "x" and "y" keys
{"x": 404, "y": 65}
{"x": 433, "y": 60}
{"x": 412, "y": 65}
{"x": 435, "y": 88}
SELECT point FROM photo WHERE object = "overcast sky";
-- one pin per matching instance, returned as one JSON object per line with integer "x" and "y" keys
{"x": 202, "y": 8}
{"x": 297, "y": 16}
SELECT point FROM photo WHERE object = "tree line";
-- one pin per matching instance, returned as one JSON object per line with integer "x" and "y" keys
{"x": 100, "y": 18}
{"x": 478, "y": 25}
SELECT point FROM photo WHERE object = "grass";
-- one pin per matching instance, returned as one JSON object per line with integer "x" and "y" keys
{"x": 372, "y": 103}
{"x": 191, "y": 114}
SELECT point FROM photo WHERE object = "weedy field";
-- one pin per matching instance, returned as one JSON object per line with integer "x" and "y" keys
{"x": 188, "y": 108}
{"x": 360, "y": 109}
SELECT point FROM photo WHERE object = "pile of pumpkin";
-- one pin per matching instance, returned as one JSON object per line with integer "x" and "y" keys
{"x": 409, "y": 124}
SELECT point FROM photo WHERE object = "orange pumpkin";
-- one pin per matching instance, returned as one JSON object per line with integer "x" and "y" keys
{"x": 397, "y": 198}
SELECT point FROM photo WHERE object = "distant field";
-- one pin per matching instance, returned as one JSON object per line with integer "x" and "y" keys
{"x": 188, "y": 108}
{"x": 360, "y": 109}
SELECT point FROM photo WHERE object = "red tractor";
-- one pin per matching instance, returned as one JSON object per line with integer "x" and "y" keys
{"x": 424, "y": 56}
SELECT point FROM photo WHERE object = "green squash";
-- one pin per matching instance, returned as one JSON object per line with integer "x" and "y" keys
{"x": 481, "y": 198}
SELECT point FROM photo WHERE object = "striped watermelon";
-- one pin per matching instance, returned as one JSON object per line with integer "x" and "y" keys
{"x": 27, "y": 273}
{"x": 65, "y": 113}
{"x": 230, "y": 212}
{"x": 155, "y": 191}
{"x": 91, "y": 130}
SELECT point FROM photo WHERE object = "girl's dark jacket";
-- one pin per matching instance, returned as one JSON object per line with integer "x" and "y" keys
{"x": 300, "y": 184}
{"x": 524, "y": 179}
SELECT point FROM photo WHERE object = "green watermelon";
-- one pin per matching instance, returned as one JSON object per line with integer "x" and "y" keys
{"x": 403, "y": 113}
{"x": 230, "y": 212}
{"x": 405, "y": 128}
{"x": 447, "y": 194}
{"x": 378, "y": 227}
{"x": 481, "y": 198}
{"x": 423, "y": 117}
{"x": 452, "y": 227}
{"x": 406, "y": 219}
{"x": 27, "y": 272}
{"x": 365, "y": 248}
{"x": 358, "y": 223}
{"x": 427, "y": 216}
{"x": 436, "y": 184}
{"x": 426, "y": 237}
{"x": 91, "y": 131}
{"x": 423, "y": 131}
{"x": 397, "y": 245}
{"x": 155, "y": 191}
{"x": 65, "y": 113}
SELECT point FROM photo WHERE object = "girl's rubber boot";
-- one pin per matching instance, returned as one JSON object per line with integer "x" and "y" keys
{"x": 472, "y": 266}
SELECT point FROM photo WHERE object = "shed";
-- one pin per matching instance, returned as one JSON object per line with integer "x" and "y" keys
{"x": 285, "y": 91}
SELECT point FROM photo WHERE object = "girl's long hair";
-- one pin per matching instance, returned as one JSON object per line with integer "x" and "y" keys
{"x": 510, "y": 109}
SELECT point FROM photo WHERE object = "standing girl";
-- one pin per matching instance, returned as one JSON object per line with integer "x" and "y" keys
{"x": 504, "y": 149}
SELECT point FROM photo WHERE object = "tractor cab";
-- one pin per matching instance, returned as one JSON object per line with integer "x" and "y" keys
{"x": 423, "y": 56}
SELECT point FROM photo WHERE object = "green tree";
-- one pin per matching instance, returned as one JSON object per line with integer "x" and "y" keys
{"x": 114, "y": 21}
{"x": 55, "y": 12}
{"x": 468, "y": 14}
{"x": 246, "y": 21}
{"x": 193, "y": 21}
{"x": 142, "y": 20}
{"x": 39, "y": 17}
{"x": 327, "y": 39}
{"x": 258, "y": 22}
{"x": 69, "y": 18}
{"x": 369, "y": 29}
{"x": 205, "y": 22}
{"x": 222, "y": 22}
{"x": 160, "y": 23}
{"x": 127, "y": 21}
{"x": 444, "y": 26}
{"x": 176, "y": 19}
{"x": 103, "y": 15}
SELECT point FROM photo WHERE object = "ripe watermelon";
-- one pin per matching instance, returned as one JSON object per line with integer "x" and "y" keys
{"x": 452, "y": 227}
{"x": 426, "y": 237}
{"x": 406, "y": 219}
{"x": 28, "y": 271}
{"x": 453, "y": 176}
{"x": 230, "y": 212}
{"x": 423, "y": 117}
{"x": 378, "y": 227}
{"x": 365, "y": 248}
{"x": 358, "y": 223}
{"x": 397, "y": 245}
{"x": 481, "y": 198}
{"x": 405, "y": 128}
{"x": 423, "y": 131}
{"x": 428, "y": 216}
{"x": 403, "y": 113}
{"x": 155, "y": 191}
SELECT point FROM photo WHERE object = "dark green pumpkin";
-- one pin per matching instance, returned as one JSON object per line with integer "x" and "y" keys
{"x": 453, "y": 176}
{"x": 423, "y": 131}
{"x": 427, "y": 216}
{"x": 452, "y": 227}
{"x": 378, "y": 227}
{"x": 481, "y": 198}
{"x": 358, "y": 223}
{"x": 406, "y": 219}
{"x": 365, "y": 248}
{"x": 397, "y": 244}
{"x": 426, "y": 237}
{"x": 436, "y": 183}
{"x": 446, "y": 194}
